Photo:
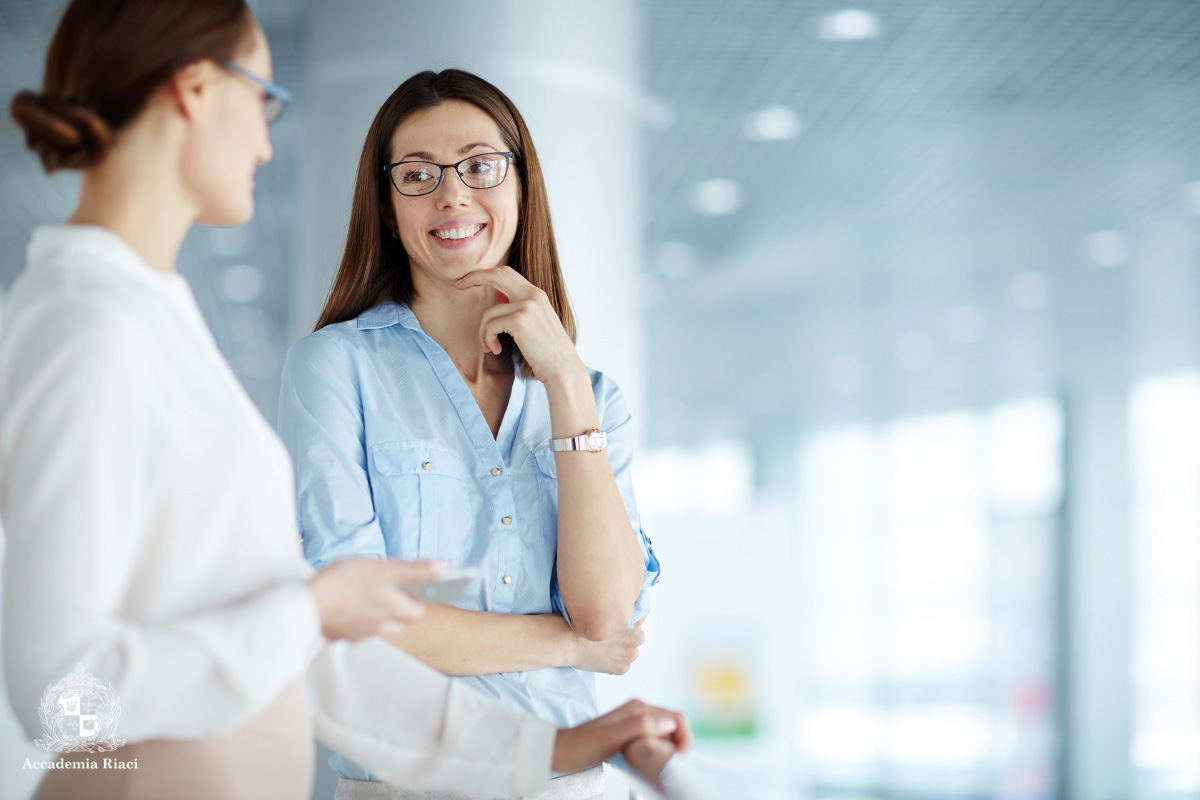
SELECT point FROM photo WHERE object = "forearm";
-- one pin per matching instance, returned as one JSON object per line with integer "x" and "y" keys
{"x": 458, "y": 642}
{"x": 437, "y": 734}
{"x": 600, "y": 565}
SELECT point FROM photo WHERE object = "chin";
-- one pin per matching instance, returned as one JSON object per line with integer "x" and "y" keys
{"x": 227, "y": 216}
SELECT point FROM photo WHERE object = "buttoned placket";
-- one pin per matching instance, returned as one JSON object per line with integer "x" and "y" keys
{"x": 494, "y": 454}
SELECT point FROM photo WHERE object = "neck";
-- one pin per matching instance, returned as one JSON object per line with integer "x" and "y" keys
{"x": 451, "y": 317}
{"x": 131, "y": 193}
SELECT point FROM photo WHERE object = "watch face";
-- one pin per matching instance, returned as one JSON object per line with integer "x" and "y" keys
{"x": 597, "y": 441}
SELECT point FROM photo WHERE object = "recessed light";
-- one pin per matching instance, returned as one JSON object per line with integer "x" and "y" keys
{"x": 659, "y": 114}
{"x": 1030, "y": 290}
{"x": 850, "y": 25}
{"x": 1107, "y": 248}
{"x": 1191, "y": 196}
{"x": 965, "y": 324}
{"x": 773, "y": 124}
{"x": 675, "y": 259}
{"x": 243, "y": 283}
{"x": 845, "y": 374}
{"x": 716, "y": 197}
{"x": 914, "y": 350}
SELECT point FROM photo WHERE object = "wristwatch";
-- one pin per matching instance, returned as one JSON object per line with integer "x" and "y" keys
{"x": 593, "y": 440}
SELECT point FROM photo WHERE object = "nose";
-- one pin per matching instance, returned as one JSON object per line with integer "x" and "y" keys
{"x": 266, "y": 152}
{"x": 452, "y": 192}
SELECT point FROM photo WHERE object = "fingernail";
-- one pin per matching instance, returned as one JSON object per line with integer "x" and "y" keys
{"x": 664, "y": 725}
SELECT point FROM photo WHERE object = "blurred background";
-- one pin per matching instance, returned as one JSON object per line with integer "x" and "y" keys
{"x": 906, "y": 298}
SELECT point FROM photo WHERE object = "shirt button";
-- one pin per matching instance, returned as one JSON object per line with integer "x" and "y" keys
{"x": 507, "y": 520}
{"x": 495, "y": 470}
{"x": 427, "y": 465}
{"x": 508, "y": 578}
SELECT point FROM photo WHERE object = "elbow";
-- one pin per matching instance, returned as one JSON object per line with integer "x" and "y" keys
{"x": 599, "y": 626}
{"x": 596, "y": 631}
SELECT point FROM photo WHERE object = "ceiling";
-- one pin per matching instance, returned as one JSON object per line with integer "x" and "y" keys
{"x": 928, "y": 239}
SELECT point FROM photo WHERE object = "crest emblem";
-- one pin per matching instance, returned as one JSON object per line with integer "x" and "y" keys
{"x": 80, "y": 715}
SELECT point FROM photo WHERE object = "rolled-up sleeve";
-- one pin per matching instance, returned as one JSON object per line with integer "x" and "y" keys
{"x": 321, "y": 422}
{"x": 617, "y": 424}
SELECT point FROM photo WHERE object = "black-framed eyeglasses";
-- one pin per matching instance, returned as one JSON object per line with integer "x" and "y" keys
{"x": 275, "y": 97}
{"x": 480, "y": 171}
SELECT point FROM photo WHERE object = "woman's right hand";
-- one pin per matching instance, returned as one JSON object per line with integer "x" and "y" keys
{"x": 614, "y": 655}
{"x": 598, "y": 740}
{"x": 361, "y": 597}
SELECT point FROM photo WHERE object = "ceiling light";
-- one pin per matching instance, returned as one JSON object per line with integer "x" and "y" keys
{"x": 914, "y": 350}
{"x": 851, "y": 25}
{"x": 1030, "y": 290}
{"x": 772, "y": 124}
{"x": 1107, "y": 248}
{"x": 243, "y": 283}
{"x": 1191, "y": 196}
{"x": 658, "y": 114}
{"x": 229, "y": 241}
{"x": 965, "y": 325}
{"x": 716, "y": 197}
{"x": 675, "y": 259}
{"x": 845, "y": 374}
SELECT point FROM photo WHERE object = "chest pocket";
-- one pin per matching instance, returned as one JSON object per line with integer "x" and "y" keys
{"x": 547, "y": 488}
{"x": 423, "y": 500}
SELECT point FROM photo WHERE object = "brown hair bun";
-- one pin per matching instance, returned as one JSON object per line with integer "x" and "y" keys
{"x": 108, "y": 57}
{"x": 63, "y": 132}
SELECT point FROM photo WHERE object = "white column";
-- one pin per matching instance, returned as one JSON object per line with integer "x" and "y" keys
{"x": 1098, "y": 636}
{"x": 571, "y": 70}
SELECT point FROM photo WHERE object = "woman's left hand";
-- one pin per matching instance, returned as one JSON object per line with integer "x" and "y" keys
{"x": 528, "y": 318}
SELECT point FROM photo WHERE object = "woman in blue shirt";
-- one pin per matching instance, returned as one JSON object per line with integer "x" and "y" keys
{"x": 440, "y": 410}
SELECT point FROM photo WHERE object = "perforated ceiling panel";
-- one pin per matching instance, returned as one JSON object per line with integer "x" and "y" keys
{"x": 932, "y": 235}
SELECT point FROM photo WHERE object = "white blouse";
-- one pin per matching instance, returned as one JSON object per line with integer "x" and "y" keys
{"x": 152, "y": 537}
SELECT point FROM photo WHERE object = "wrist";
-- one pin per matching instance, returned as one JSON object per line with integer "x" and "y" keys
{"x": 567, "y": 650}
{"x": 569, "y": 374}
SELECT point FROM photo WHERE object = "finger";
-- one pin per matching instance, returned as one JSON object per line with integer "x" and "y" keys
{"x": 390, "y": 629}
{"x": 683, "y": 733}
{"x": 504, "y": 278}
{"x": 649, "y": 724}
{"x": 496, "y": 320}
{"x": 648, "y": 757}
{"x": 404, "y": 607}
{"x": 511, "y": 318}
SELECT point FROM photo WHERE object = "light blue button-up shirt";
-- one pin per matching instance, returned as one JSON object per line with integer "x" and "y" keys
{"x": 394, "y": 458}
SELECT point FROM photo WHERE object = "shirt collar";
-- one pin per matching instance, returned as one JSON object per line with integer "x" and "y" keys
{"x": 386, "y": 314}
{"x": 52, "y": 243}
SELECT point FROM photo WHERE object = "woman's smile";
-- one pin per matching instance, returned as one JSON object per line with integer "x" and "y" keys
{"x": 457, "y": 234}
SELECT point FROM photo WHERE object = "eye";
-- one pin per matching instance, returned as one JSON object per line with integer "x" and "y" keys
{"x": 482, "y": 165}
{"x": 417, "y": 173}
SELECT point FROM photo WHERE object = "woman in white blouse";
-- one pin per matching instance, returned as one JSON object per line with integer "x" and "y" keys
{"x": 150, "y": 509}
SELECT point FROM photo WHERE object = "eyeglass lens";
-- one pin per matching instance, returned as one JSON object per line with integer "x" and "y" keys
{"x": 422, "y": 177}
{"x": 272, "y": 108}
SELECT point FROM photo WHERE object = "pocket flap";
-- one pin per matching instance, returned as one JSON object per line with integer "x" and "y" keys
{"x": 545, "y": 462}
{"x": 417, "y": 458}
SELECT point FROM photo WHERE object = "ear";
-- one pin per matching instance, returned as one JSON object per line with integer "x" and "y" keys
{"x": 190, "y": 87}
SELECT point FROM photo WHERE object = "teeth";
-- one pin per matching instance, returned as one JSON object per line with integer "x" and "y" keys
{"x": 458, "y": 233}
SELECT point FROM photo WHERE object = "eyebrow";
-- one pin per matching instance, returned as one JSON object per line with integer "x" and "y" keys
{"x": 461, "y": 151}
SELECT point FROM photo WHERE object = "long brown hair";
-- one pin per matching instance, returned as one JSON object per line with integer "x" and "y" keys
{"x": 106, "y": 59}
{"x": 375, "y": 265}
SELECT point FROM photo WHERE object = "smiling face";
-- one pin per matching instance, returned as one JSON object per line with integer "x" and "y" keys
{"x": 454, "y": 229}
{"x": 229, "y": 140}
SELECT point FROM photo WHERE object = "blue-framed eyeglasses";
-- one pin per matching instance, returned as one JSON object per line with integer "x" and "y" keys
{"x": 276, "y": 98}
